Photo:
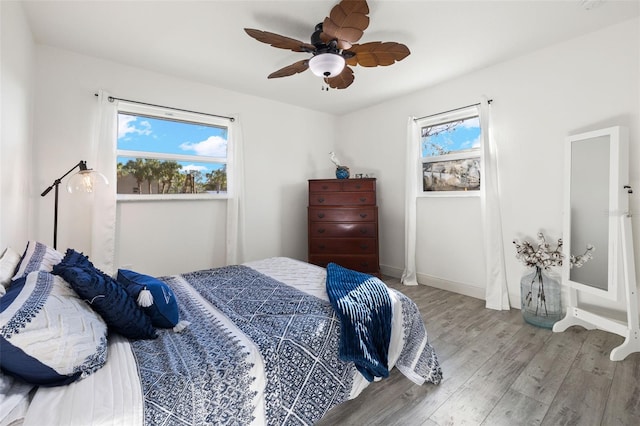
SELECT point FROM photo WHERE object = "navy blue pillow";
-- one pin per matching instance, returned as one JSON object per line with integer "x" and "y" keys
{"x": 73, "y": 258}
{"x": 164, "y": 310}
{"x": 109, "y": 299}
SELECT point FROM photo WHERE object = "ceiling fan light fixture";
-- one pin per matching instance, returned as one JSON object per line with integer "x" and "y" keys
{"x": 326, "y": 65}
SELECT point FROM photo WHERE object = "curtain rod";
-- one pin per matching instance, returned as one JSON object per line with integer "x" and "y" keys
{"x": 112, "y": 98}
{"x": 451, "y": 110}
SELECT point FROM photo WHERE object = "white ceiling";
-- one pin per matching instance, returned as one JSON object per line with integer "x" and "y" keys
{"x": 204, "y": 40}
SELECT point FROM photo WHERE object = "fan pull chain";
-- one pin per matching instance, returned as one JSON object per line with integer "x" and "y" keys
{"x": 324, "y": 87}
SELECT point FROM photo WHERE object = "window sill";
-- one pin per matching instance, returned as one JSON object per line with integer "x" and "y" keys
{"x": 448, "y": 194}
{"x": 170, "y": 197}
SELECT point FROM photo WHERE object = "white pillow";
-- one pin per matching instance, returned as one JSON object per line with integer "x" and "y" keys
{"x": 37, "y": 257}
{"x": 8, "y": 263}
{"x": 48, "y": 335}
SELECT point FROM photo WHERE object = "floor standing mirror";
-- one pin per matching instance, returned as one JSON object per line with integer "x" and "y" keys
{"x": 596, "y": 213}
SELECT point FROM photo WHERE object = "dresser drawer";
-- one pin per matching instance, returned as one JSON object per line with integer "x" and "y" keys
{"x": 343, "y": 214}
{"x": 342, "y": 199}
{"x": 363, "y": 263}
{"x": 343, "y": 229}
{"x": 359, "y": 185}
{"x": 335, "y": 185}
{"x": 324, "y": 185}
{"x": 343, "y": 245}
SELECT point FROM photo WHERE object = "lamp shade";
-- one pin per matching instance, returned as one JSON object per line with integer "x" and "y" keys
{"x": 86, "y": 181}
{"x": 326, "y": 64}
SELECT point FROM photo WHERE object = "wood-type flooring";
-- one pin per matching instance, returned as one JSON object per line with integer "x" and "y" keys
{"x": 499, "y": 370}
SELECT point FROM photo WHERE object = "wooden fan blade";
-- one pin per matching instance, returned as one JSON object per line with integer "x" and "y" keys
{"x": 280, "y": 41}
{"x": 342, "y": 80}
{"x": 346, "y": 23}
{"x": 292, "y": 69}
{"x": 377, "y": 53}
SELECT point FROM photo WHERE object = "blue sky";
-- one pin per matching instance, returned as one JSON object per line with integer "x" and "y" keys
{"x": 148, "y": 134}
{"x": 465, "y": 136}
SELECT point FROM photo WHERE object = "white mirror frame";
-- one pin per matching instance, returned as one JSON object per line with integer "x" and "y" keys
{"x": 600, "y": 207}
{"x": 620, "y": 262}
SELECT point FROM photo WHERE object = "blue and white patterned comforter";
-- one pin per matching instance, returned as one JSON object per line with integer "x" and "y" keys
{"x": 203, "y": 375}
{"x": 258, "y": 351}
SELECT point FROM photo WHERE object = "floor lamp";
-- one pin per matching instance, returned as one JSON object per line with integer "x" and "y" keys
{"x": 85, "y": 180}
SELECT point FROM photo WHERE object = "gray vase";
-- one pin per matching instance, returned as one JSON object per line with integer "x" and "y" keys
{"x": 541, "y": 298}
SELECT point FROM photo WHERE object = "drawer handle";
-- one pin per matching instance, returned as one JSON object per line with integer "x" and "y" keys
{"x": 363, "y": 215}
{"x": 321, "y": 231}
{"x": 320, "y": 215}
{"x": 358, "y": 186}
{"x": 364, "y": 246}
{"x": 321, "y": 247}
{"x": 364, "y": 231}
{"x": 363, "y": 199}
{"x": 321, "y": 200}
{"x": 325, "y": 186}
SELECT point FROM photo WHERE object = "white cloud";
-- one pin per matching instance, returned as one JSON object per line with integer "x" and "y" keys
{"x": 472, "y": 122}
{"x": 193, "y": 168}
{"x": 214, "y": 146}
{"x": 475, "y": 143}
{"x": 127, "y": 124}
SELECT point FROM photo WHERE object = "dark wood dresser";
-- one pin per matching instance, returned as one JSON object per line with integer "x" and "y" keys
{"x": 343, "y": 224}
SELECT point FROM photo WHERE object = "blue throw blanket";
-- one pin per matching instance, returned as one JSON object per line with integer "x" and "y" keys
{"x": 363, "y": 305}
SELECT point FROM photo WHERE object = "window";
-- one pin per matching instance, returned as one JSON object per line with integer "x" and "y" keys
{"x": 163, "y": 153}
{"x": 451, "y": 151}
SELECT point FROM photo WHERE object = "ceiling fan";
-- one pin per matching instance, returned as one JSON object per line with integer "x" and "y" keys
{"x": 333, "y": 46}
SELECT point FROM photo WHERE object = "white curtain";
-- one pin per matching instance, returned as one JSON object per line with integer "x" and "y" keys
{"x": 413, "y": 172}
{"x": 103, "y": 238}
{"x": 497, "y": 295}
{"x": 104, "y": 160}
{"x": 235, "y": 189}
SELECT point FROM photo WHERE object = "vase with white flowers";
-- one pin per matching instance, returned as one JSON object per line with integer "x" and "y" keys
{"x": 540, "y": 286}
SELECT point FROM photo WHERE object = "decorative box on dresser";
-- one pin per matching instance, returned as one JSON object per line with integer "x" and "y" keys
{"x": 343, "y": 224}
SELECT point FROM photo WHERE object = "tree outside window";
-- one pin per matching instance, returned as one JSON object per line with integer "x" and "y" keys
{"x": 451, "y": 152}
{"x": 181, "y": 154}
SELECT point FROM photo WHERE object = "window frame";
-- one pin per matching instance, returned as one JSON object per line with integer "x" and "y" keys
{"x": 166, "y": 113}
{"x": 444, "y": 118}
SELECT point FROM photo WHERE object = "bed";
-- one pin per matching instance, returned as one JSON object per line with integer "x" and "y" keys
{"x": 257, "y": 343}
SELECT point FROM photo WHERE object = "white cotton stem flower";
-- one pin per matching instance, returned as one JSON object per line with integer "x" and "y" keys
{"x": 544, "y": 256}
{"x": 579, "y": 260}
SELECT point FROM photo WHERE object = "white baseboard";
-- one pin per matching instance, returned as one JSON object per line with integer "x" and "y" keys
{"x": 460, "y": 288}
{"x": 391, "y": 271}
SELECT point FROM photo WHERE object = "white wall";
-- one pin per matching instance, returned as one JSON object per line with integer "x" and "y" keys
{"x": 284, "y": 146}
{"x": 584, "y": 84}
{"x": 16, "y": 104}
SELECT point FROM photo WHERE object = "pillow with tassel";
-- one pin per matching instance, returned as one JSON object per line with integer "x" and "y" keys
{"x": 109, "y": 299}
{"x": 155, "y": 297}
{"x": 106, "y": 296}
